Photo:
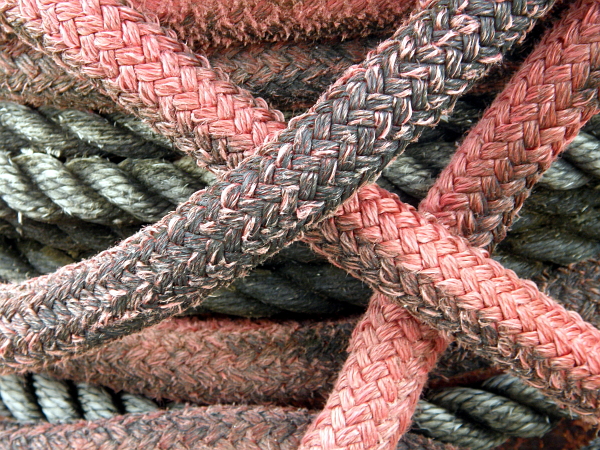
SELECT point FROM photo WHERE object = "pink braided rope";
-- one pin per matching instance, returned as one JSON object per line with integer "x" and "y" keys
{"x": 375, "y": 396}
{"x": 382, "y": 240}
{"x": 146, "y": 70}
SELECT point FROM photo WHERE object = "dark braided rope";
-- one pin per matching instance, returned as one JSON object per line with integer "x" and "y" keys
{"x": 484, "y": 418}
{"x": 265, "y": 203}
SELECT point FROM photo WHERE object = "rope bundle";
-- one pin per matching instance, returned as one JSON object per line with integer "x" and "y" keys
{"x": 316, "y": 194}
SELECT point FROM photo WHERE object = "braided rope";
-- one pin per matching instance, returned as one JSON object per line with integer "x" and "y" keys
{"x": 413, "y": 172}
{"x": 289, "y": 75}
{"x": 451, "y": 286}
{"x": 214, "y": 427}
{"x": 117, "y": 278}
{"x": 217, "y": 23}
{"x": 512, "y": 145}
{"x": 268, "y": 345}
{"x": 165, "y": 82}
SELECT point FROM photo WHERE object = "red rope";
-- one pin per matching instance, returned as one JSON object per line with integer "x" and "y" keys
{"x": 215, "y": 23}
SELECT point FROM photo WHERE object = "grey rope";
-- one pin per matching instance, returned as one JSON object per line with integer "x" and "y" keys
{"x": 96, "y": 402}
{"x": 19, "y": 399}
{"x": 474, "y": 418}
{"x": 54, "y": 399}
{"x": 70, "y": 132}
{"x": 44, "y": 188}
{"x": 514, "y": 389}
{"x": 496, "y": 413}
{"x": 108, "y": 137}
{"x": 439, "y": 423}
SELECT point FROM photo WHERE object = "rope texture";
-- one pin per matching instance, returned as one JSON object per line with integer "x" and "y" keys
{"x": 438, "y": 277}
{"x": 263, "y": 181}
{"x": 245, "y": 355}
{"x": 222, "y": 24}
{"x": 214, "y": 427}
{"x": 157, "y": 76}
{"x": 519, "y": 136}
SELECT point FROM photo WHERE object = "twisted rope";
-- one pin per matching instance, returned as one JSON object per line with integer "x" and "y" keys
{"x": 412, "y": 172}
{"x": 140, "y": 80}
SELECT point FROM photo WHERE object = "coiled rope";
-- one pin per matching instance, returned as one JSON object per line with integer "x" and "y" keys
{"x": 256, "y": 353}
{"x": 490, "y": 417}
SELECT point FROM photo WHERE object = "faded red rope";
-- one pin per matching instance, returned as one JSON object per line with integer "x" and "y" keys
{"x": 255, "y": 209}
{"x": 451, "y": 286}
{"x": 215, "y": 23}
{"x": 204, "y": 428}
{"x": 147, "y": 71}
{"x": 540, "y": 112}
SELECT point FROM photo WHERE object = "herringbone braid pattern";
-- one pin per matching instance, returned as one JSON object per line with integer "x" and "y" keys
{"x": 445, "y": 282}
{"x": 213, "y": 427}
{"x": 312, "y": 167}
{"x": 214, "y": 23}
{"x": 481, "y": 191}
{"x": 220, "y": 361}
{"x": 374, "y": 398}
{"x": 149, "y": 72}
{"x": 289, "y": 75}
{"x": 373, "y": 229}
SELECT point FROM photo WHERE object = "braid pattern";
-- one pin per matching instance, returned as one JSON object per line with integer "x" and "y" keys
{"x": 290, "y": 188}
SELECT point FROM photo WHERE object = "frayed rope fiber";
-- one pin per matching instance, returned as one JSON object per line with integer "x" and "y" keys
{"x": 264, "y": 203}
{"x": 394, "y": 431}
{"x": 216, "y": 23}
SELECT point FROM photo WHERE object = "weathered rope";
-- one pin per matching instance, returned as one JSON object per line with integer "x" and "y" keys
{"x": 216, "y": 23}
{"x": 513, "y": 145}
{"x": 289, "y": 75}
{"x": 230, "y": 361}
{"x": 60, "y": 403}
{"x": 61, "y": 134}
{"x": 412, "y": 172}
{"x": 406, "y": 255}
{"x": 291, "y": 208}
{"x": 213, "y": 427}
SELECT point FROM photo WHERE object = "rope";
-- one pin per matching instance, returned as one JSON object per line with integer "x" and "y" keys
{"x": 215, "y": 427}
{"x": 170, "y": 100}
{"x": 222, "y": 24}
{"x": 284, "y": 214}
{"x": 228, "y": 361}
{"x": 505, "y": 141}
{"x": 289, "y": 75}
{"x": 413, "y": 172}
{"x": 226, "y": 341}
